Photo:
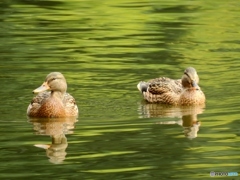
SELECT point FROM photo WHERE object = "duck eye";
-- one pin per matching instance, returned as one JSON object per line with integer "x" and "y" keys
{"x": 51, "y": 80}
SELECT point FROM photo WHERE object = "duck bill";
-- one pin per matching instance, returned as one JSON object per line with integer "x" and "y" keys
{"x": 42, "y": 88}
{"x": 195, "y": 85}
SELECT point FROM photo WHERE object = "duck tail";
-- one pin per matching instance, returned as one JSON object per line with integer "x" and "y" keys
{"x": 142, "y": 86}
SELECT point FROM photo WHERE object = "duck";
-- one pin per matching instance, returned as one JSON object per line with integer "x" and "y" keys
{"x": 183, "y": 92}
{"x": 52, "y": 99}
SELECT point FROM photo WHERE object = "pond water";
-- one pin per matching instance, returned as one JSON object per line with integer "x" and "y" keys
{"x": 104, "y": 48}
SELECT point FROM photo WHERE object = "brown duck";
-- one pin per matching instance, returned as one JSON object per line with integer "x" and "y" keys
{"x": 183, "y": 91}
{"x": 56, "y": 103}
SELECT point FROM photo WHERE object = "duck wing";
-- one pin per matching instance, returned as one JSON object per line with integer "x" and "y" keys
{"x": 37, "y": 102}
{"x": 70, "y": 105}
{"x": 164, "y": 85}
{"x": 161, "y": 90}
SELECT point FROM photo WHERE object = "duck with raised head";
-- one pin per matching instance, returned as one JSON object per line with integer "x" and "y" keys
{"x": 185, "y": 91}
{"x": 56, "y": 103}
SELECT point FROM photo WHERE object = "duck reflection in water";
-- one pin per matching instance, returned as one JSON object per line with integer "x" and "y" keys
{"x": 187, "y": 114}
{"x": 56, "y": 128}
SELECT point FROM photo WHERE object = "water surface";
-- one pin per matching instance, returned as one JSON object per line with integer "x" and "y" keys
{"x": 104, "y": 49}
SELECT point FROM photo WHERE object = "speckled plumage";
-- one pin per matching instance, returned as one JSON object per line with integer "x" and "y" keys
{"x": 183, "y": 91}
{"x": 56, "y": 103}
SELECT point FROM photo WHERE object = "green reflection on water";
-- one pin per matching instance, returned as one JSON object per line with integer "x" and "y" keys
{"x": 103, "y": 154}
{"x": 119, "y": 170}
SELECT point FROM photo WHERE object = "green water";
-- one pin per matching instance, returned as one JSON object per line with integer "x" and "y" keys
{"x": 104, "y": 48}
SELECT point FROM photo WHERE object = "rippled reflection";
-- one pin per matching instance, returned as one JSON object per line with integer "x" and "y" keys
{"x": 188, "y": 116}
{"x": 56, "y": 129}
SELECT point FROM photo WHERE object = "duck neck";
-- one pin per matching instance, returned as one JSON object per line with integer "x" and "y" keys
{"x": 57, "y": 94}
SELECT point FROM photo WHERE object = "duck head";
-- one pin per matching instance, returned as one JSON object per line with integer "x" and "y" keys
{"x": 54, "y": 81}
{"x": 190, "y": 79}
